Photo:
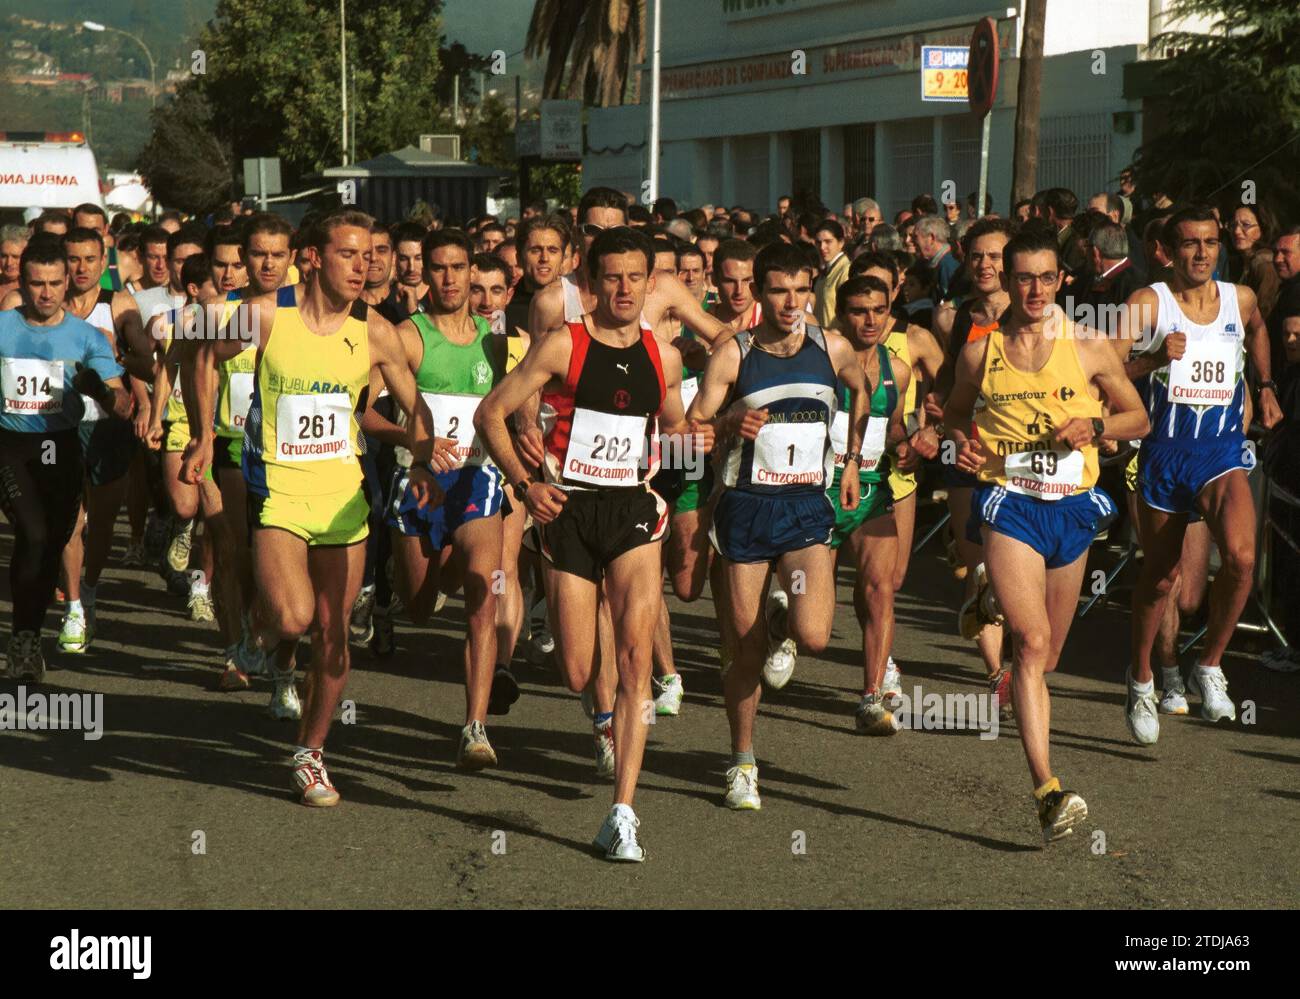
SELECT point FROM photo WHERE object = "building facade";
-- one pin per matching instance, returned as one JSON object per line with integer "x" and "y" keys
{"x": 824, "y": 96}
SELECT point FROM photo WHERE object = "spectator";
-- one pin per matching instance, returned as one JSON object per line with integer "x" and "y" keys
{"x": 1250, "y": 260}
{"x": 1113, "y": 278}
{"x": 1286, "y": 261}
{"x": 884, "y": 238}
{"x": 867, "y": 213}
{"x": 1158, "y": 262}
{"x": 918, "y": 292}
{"x": 534, "y": 209}
{"x": 933, "y": 239}
{"x": 1282, "y": 461}
{"x": 1112, "y": 206}
{"x": 829, "y": 237}
{"x": 13, "y": 240}
{"x": 924, "y": 204}
{"x": 783, "y": 205}
{"x": 1022, "y": 211}
{"x": 972, "y": 199}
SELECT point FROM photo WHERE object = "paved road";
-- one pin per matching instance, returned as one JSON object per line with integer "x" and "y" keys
{"x": 1205, "y": 819}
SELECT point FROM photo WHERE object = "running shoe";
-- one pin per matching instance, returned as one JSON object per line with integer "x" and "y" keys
{"x": 475, "y": 751}
{"x": 248, "y": 657}
{"x": 439, "y": 602}
{"x": 604, "y": 735}
{"x": 1000, "y": 687}
{"x": 135, "y": 556}
{"x": 178, "y": 584}
{"x": 980, "y": 608}
{"x": 1058, "y": 813}
{"x": 742, "y": 788}
{"x": 617, "y": 836}
{"x": 178, "y": 548}
{"x": 285, "y": 705}
{"x": 778, "y": 668}
{"x": 505, "y": 691}
{"x": 668, "y": 694}
{"x": 892, "y": 688}
{"x": 1142, "y": 713}
{"x": 200, "y": 603}
{"x": 1282, "y": 660}
{"x": 381, "y": 643}
{"x": 872, "y": 718}
{"x": 361, "y": 627}
{"x": 1212, "y": 686}
{"x": 1174, "y": 699}
{"x": 25, "y": 660}
{"x": 74, "y": 636}
{"x": 312, "y": 781}
{"x": 232, "y": 677}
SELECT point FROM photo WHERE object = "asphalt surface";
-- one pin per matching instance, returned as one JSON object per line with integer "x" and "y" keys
{"x": 923, "y": 819}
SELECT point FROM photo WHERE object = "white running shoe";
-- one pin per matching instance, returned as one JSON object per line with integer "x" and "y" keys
{"x": 892, "y": 688}
{"x": 1141, "y": 712}
{"x": 1282, "y": 660}
{"x": 200, "y": 602}
{"x": 285, "y": 705}
{"x": 74, "y": 636}
{"x": 361, "y": 627}
{"x": 873, "y": 718}
{"x": 604, "y": 734}
{"x": 617, "y": 836}
{"x": 668, "y": 699}
{"x": 178, "y": 548}
{"x": 742, "y": 788}
{"x": 778, "y": 668}
{"x": 1174, "y": 699}
{"x": 1212, "y": 686}
{"x": 312, "y": 780}
{"x": 475, "y": 751}
{"x": 25, "y": 661}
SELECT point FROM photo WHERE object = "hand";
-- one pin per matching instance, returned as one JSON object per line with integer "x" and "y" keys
{"x": 195, "y": 459}
{"x": 1108, "y": 447}
{"x": 545, "y": 501}
{"x": 153, "y": 437}
{"x": 425, "y": 488}
{"x": 925, "y": 442}
{"x": 531, "y": 446}
{"x": 694, "y": 354}
{"x": 445, "y": 458}
{"x": 1270, "y": 414}
{"x": 850, "y": 487}
{"x": 968, "y": 457}
{"x": 1077, "y": 433}
{"x": 88, "y": 383}
{"x": 907, "y": 458}
{"x": 1174, "y": 347}
{"x": 702, "y": 437}
{"x": 141, "y": 423}
{"x": 752, "y": 422}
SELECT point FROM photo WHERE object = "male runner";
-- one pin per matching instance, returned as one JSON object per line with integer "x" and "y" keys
{"x": 409, "y": 287}
{"x": 1035, "y": 392}
{"x": 317, "y": 347}
{"x": 50, "y": 360}
{"x": 605, "y": 378}
{"x": 13, "y": 240}
{"x": 1192, "y": 335}
{"x": 691, "y": 273}
{"x": 773, "y": 516}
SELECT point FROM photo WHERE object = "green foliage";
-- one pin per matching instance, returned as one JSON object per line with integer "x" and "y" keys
{"x": 1232, "y": 106}
{"x": 116, "y": 131}
{"x": 561, "y": 181}
{"x": 187, "y": 162}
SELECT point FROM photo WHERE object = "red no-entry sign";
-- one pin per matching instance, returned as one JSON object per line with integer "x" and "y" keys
{"x": 982, "y": 67}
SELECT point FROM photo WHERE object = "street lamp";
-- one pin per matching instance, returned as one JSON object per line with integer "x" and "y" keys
{"x": 153, "y": 78}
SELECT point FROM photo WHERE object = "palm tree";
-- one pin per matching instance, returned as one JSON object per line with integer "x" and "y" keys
{"x": 596, "y": 41}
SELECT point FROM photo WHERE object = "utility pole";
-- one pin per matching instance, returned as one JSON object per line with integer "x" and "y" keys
{"x": 654, "y": 104}
{"x": 1024, "y": 171}
{"x": 343, "y": 73}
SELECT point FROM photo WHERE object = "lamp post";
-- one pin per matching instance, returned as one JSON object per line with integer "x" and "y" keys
{"x": 153, "y": 77}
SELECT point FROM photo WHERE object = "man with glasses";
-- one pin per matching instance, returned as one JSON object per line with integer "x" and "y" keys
{"x": 1041, "y": 390}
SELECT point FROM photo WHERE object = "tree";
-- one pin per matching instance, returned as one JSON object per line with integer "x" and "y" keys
{"x": 1231, "y": 105}
{"x": 187, "y": 163}
{"x": 1024, "y": 171}
{"x": 598, "y": 40}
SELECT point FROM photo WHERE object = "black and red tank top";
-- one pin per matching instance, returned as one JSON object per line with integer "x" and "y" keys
{"x": 600, "y": 426}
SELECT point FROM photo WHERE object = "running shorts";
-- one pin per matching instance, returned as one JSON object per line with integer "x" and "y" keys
{"x": 901, "y": 484}
{"x": 754, "y": 527}
{"x": 1170, "y": 478}
{"x": 695, "y": 495}
{"x": 470, "y": 493}
{"x": 874, "y": 502}
{"x": 323, "y": 520}
{"x": 596, "y": 526}
{"x": 107, "y": 448}
{"x": 1059, "y": 530}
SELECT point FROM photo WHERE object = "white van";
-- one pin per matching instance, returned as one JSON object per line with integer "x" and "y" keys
{"x": 47, "y": 170}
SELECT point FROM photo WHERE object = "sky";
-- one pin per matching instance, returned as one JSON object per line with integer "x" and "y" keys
{"x": 485, "y": 25}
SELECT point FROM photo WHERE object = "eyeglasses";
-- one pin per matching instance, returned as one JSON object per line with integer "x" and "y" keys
{"x": 1048, "y": 279}
{"x": 1244, "y": 226}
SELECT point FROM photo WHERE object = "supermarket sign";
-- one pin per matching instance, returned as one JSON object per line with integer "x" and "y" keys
{"x": 943, "y": 72}
{"x": 854, "y": 60}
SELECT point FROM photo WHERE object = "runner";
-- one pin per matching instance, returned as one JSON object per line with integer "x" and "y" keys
{"x": 773, "y": 516}
{"x": 605, "y": 377}
{"x": 13, "y": 240}
{"x": 1035, "y": 391}
{"x": 1192, "y": 335}
{"x": 307, "y": 506}
{"x": 867, "y": 536}
{"x": 51, "y": 359}
{"x": 544, "y": 243}
{"x": 408, "y": 287}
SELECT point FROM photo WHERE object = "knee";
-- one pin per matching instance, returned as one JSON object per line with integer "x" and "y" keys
{"x": 811, "y": 639}
{"x": 1239, "y": 559}
{"x": 686, "y": 588}
{"x": 1034, "y": 645}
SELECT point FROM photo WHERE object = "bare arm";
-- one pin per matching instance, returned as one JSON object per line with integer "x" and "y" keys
{"x": 677, "y": 297}
{"x": 1258, "y": 349}
{"x": 849, "y": 371}
{"x": 1137, "y": 321}
{"x": 960, "y": 408}
{"x": 388, "y": 355}
{"x": 897, "y": 432}
{"x": 1127, "y": 418}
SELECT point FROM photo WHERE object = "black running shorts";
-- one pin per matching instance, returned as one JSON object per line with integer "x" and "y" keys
{"x": 596, "y": 526}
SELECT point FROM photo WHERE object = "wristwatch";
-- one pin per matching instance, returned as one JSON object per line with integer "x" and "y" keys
{"x": 1270, "y": 385}
{"x": 1098, "y": 428}
{"x": 520, "y": 489}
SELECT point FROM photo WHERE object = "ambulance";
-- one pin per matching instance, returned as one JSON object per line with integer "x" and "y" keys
{"x": 47, "y": 170}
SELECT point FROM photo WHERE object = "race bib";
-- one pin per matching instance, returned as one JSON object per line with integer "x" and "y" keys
{"x": 604, "y": 449}
{"x": 91, "y": 411}
{"x": 313, "y": 427}
{"x": 241, "y": 398}
{"x": 789, "y": 454}
{"x": 1206, "y": 375}
{"x": 690, "y": 389}
{"x": 1045, "y": 475}
{"x": 873, "y": 442}
{"x": 31, "y": 386}
{"x": 453, "y": 416}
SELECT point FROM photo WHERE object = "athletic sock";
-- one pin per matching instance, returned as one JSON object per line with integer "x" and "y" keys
{"x": 746, "y": 758}
{"x": 74, "y": 607}
{"x": 1170, "y": 675}
{"x": 308, "y": 749}
{"x": 1142, "y": 688}
{"x": 602, "y": 717}
{"x": 1052, "y": 785}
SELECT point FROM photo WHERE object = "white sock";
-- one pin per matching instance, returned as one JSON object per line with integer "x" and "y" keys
{"x": 74, "y": 607}
{"x": 1207, "y": 666}
{"x": 1142, "y": 688}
